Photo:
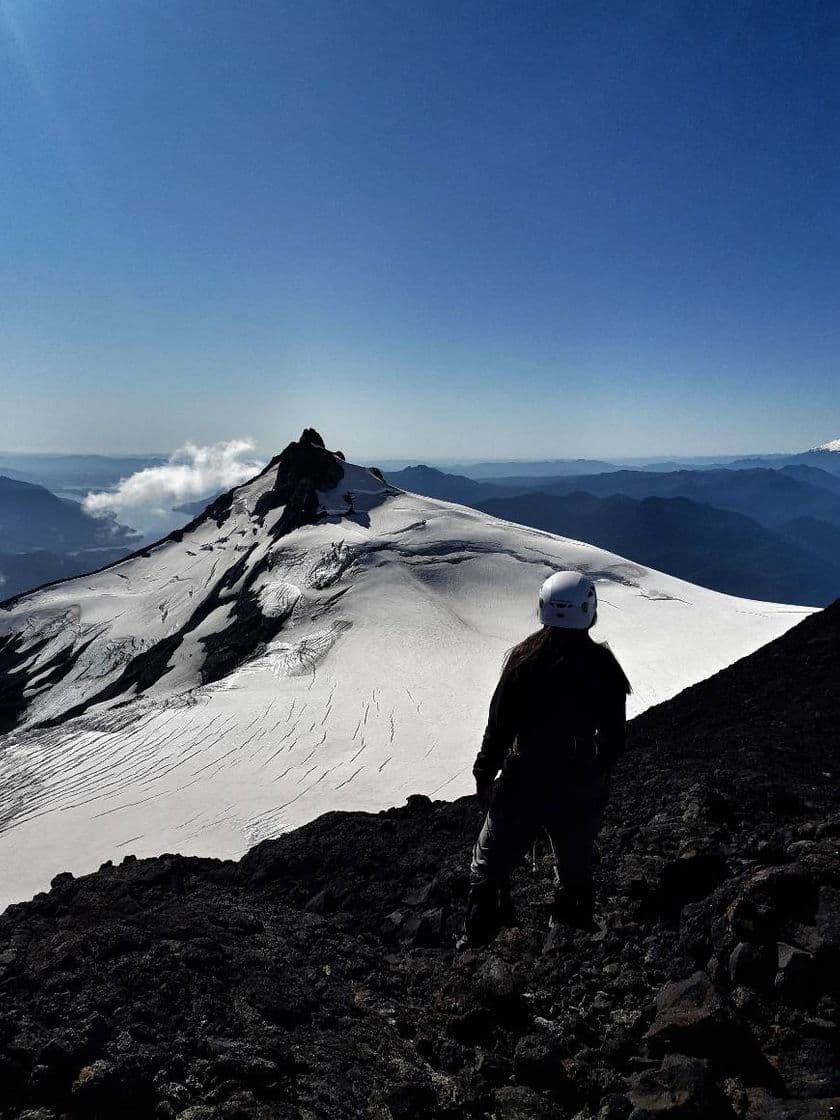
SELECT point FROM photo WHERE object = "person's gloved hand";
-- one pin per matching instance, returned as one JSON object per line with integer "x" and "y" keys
{"x": 484, "y": 790}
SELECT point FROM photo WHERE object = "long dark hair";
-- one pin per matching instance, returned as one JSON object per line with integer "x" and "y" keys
{"x": 551, "y": 645}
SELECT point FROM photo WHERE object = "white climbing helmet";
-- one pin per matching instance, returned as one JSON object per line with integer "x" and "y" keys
{"x": 568, "y": 601}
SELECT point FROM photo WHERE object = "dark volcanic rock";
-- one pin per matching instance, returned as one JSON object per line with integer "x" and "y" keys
{"x": 303, "y": 468}
{"x": 692, "y": 1018}
{"x": 318, "y": 976}
{"x": 410, "y": 1099}
{"x": 752, "y": 965}
{"x": 796, "y": 979}
{"x": 693, "y": 876}
{"x": 679, "y": 1088}
{"x": 762, "y": 1105}
{"x": 810, "y": 1068}
{"x": 517, "y": 1103}
{"x": 538, "y": 1062}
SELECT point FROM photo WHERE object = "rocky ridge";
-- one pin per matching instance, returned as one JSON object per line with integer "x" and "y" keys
{"x": 317, "y": 977}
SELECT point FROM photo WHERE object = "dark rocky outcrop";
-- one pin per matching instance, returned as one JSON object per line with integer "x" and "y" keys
{"x": 318, "y": 976}
{"x": 303, "y": 468}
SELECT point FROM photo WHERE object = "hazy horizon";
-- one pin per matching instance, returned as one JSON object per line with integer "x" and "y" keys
{"x": 364, "y": 457}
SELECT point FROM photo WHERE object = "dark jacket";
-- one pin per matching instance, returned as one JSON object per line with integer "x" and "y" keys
{"x": 558, "y": 713}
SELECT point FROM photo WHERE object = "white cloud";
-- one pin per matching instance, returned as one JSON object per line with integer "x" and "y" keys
{"x": 192, "y": 472}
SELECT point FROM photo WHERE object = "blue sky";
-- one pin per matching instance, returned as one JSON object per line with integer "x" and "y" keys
{"x": 431, "y": 229}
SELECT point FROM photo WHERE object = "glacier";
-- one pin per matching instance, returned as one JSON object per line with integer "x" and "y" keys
{"x": 316, "y": 640}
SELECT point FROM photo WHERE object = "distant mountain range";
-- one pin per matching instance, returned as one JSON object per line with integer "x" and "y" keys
{"x": 697, "y": 542}
{"x": 45, "y": 538}
{"x": 768, "y": 534}
{"x": 825, "y": 458}
{"x": 541, "y": 467}
{"x": 785, "y": 547}
{"x": 31, "y": 517}
{"x": 74, "y": 474}
{"x": 771, "y": 497}
{"x": 433, "y": 483}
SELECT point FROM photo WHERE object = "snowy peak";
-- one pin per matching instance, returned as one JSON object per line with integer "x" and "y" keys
{"x": 832, "y": 445}
{"x": 304, "y": 480}
{"x": 301, "y": 471}
{"x": 184, "y": 612}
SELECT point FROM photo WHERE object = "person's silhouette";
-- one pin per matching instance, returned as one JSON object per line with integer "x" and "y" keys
{"x": 555, "y": 729}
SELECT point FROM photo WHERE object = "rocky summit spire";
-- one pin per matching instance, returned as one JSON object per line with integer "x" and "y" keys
{"x": 309, "y": 435}
{"x": 303, "y": 468}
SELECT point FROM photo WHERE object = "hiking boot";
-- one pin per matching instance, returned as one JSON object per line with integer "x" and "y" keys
{"x": 574, "y": 907}
{"x": 483, "y": 920}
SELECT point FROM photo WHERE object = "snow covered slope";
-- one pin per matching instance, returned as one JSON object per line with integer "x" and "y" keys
{"x": 316, "y": 640}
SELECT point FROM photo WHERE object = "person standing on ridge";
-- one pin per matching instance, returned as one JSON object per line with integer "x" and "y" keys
{"x": 555, "y": 730}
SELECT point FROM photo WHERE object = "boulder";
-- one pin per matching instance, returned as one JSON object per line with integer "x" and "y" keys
{"x": 419, "y": 802}
{"x": 811, "y": 1069}
{"x": 475, "y": 1025}
{"x": 494, "y": 982}
{"x": 92, "y": 1079}
{"x": 796, "y": 979}
{"x": 495, "y": 1069}
{"x": 514, "y": 1102}
{"x": 538, "y": 1063}
{"x": 763, "y": 1105}
{"x": 324, "y": 902}
{"x": 106, "y": 1088}
{"x": 782, "y": 892}
{"x": 282, "y": 1003}
{"x": 423, "y": 930}
{"x": 691, "y": 877}
{"x": 678, "y": 1089}
{"x": 490, "y": 999}
{"x": 752, "y": 965}
{"x": 392, "y": 926}
{"x": 691, "y": 1019}
{"x": 824, "y": 940}
{"x": 411, "y": 1099}
{"x": 614, "y": 1106}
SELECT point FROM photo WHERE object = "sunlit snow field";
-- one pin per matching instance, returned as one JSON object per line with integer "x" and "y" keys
{"x": 376, "y": 687}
